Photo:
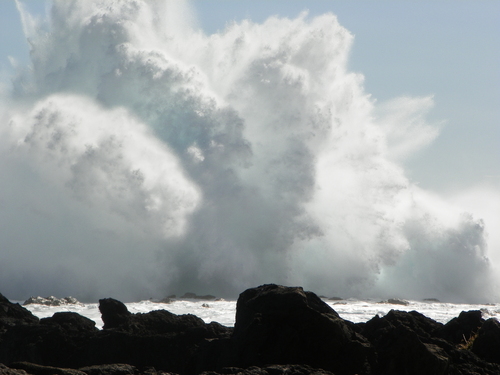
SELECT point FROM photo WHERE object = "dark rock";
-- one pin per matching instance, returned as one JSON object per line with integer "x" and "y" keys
{"x": 487, "y": 343}
{"x": 399, "y": 348}
{"x": 113, "y": 313}
{"x": 423, "y": 326}
{"x": 286, "y": 325}
{"x": 157, "y": 339}
{"x": 71, "y": 321}
{"x": 12, "y": 314}
{"x": 163, "y": 322}
{"x": 279, "y": 330}
{"x": 153, "y": 340}
{"x": 464, "y": 362}
{"x": 45, "y": 344}
{"x": 407, "y": 343}
{"x": 160, "y": 322}
{"x": 111, "y": 369}
{"x": 461, "y": 328}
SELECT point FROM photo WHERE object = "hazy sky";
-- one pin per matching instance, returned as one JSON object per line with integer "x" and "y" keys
{"x": 448, "y": 49}
{"x": 178, "y": 147}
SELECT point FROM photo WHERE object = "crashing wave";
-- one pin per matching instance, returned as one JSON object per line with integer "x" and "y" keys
{"x": 185, "y": 161}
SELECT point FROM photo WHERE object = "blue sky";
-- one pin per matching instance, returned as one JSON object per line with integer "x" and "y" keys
{"x": 448, "y": 49}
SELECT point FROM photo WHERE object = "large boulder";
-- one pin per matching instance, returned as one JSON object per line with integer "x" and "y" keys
{"x": 70, "y": 321}
{"x": 287, "y": 325}
{"x": 163, "y": 322}
{"x": 114, "y": 313}
{"x": 487, "y": 343}
{"x": 400, "y": 341}
{"x": 462, "y": 328}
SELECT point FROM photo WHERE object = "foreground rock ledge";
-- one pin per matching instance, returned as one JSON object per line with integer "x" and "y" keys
{"x": 278, "y": 330}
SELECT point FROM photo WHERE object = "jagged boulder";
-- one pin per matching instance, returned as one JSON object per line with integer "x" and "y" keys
{"x": 410, "y": 343}
{"x": 114, "y": 313}
{"x": 12, "y": 314}
{"x": 487, "y": 343}
{"x": 461, "y": 328}
{"x": 397, "y": 339}
{"x": 287, "y": 325}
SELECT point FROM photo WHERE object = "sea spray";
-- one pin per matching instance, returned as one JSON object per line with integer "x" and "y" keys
{"x": 143, "y": 157}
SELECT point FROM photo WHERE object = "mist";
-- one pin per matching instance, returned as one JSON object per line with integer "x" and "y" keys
{"x": 142, "y": 157}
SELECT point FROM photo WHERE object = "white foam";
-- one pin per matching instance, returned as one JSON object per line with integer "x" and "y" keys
{"x": 223, "y": 312}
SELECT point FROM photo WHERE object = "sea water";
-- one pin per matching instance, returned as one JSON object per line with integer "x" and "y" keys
{"x": 223, "y": 312}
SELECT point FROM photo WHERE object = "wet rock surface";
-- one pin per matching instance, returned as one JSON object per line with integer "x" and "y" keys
{"x": 278, "y": 330}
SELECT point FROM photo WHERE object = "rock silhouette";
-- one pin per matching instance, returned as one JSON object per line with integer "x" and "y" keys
{"x": 278, "y": 330}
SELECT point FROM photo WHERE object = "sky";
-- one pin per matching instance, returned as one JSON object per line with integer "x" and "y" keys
{"x": 448, "y": 49}
{"x": 355, "y": 146}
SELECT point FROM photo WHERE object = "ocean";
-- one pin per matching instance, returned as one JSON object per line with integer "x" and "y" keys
{"x": 223, "y": 312}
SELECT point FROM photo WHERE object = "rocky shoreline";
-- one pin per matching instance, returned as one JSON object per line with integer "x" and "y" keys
{"x": 278, "y": 330}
